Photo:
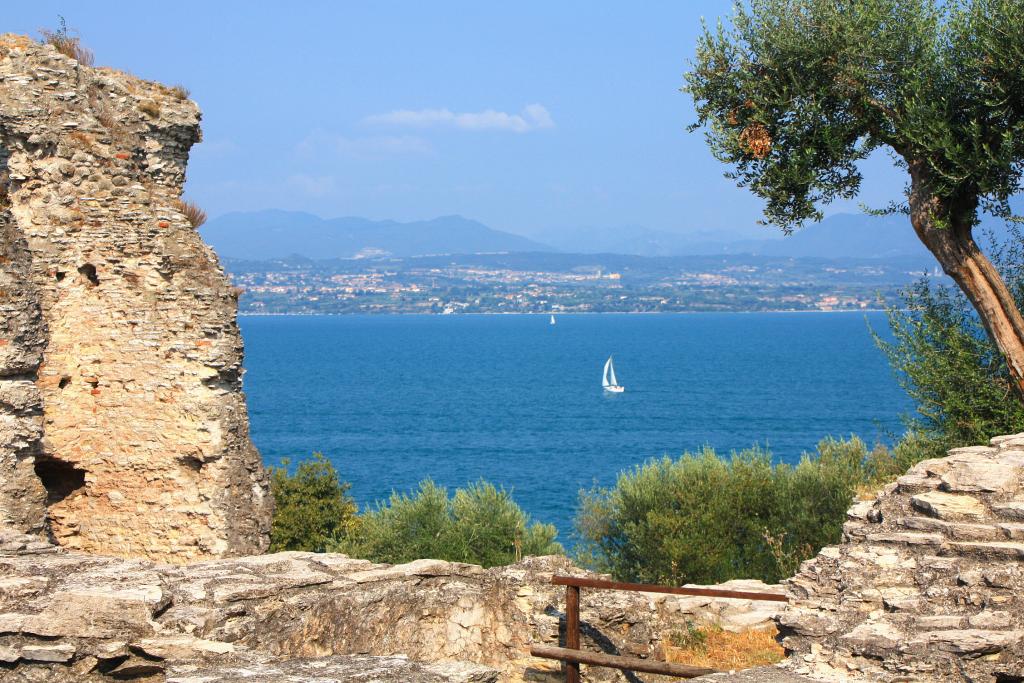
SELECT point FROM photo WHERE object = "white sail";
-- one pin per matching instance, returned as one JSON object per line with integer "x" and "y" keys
{"x": 609, "y": 381}
{"x": 552, "y": 320}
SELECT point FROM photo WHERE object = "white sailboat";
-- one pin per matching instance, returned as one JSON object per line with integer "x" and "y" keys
{"x": 609, "y": 382}
{"x": 552, "y": 319}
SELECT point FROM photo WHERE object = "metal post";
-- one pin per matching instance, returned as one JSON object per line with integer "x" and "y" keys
{"x": 572, "y": 631}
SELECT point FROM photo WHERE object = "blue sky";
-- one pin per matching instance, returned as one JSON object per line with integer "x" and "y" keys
{"x": 531, "y": 116}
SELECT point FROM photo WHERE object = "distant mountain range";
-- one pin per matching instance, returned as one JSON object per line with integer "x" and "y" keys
{"x": 854, "y": 235}
{"x": 258, "y": 235}
{"x": 271, "y": 234}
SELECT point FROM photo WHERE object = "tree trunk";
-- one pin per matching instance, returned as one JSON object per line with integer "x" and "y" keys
{"x": 944, "y": 226}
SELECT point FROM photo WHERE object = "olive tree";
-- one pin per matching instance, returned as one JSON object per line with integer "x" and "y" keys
{"x": 794, "y": 93}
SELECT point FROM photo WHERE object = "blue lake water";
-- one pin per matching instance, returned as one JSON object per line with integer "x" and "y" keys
{"x": 392, "y": 400}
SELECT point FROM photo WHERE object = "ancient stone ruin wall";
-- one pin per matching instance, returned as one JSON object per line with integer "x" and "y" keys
{"x": 22, "y": 338}
{"x": 296, "y": 616}
{"x": 928, "y": 583}
{"x": 144, "y": 448}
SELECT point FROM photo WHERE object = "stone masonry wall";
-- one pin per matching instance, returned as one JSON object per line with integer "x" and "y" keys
{"x": 69, "y": 616}
{"x": 144, "y": 448}
{"x": 22, "y": 338}
{"x": 928, "y": 584}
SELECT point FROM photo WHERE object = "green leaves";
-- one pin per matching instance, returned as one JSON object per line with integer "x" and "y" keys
{"x": 824, "y": 83}
{"x": 705, "y": 519}
{"x": 947, "y": 363}
{"x": 480, "y": 524}
{"x": 312, "y": 509}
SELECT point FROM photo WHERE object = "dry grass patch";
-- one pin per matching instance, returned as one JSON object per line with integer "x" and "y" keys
{"x": 195, "y": 215}
{"x": 867, "y": 492}
{"x": 68, "y": 45}
{"x": 150, "y": 108}
{"x": 713, "y": 647}
{"x": 180, "y": 91}
{"x": 83, "y": 139}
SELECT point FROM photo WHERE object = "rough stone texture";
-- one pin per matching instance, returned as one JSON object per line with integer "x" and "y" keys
{"x": 928, "y": 582}
{"x": 71, "y": 616}
{"x": 350, "y": 669}
{"x": 736, "y": 616}
{"x": 22, "y": 338}
{"x": 761, "y": 674}
{"x": 120, "y": 356}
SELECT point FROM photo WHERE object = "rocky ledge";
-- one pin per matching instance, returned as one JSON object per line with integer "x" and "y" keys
{"x": 69, "y": 616}
{"x": 928, "y": 582}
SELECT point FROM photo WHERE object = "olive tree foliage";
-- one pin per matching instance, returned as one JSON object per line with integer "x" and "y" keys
{"x": 312, "y": 507}
{"x": 479, "y": 524}
{"x": 706, "y": 519}
{"x": 794, "y": 93}
{"x": 948, "y": 365}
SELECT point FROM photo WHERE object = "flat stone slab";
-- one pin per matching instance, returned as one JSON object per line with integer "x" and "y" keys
{"x": 338, "y": 669}
{"x": 761, "y": 674}
{"x": 949, "y": 505}
{"x": 981, "y": 477}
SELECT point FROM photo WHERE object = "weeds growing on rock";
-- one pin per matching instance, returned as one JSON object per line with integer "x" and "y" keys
{"x": 692, "y": 638}
{"x": 195, "y": 215}
{"x": 180, "y": 91}
{"x": 67, "y": 44}
{"x": 150, "y": 108}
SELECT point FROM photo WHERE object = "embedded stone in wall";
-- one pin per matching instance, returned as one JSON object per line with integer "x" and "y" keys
{"x": 144, "y": 448}
{"x": 927, "y": 584}
{"x": 22, "y": 498}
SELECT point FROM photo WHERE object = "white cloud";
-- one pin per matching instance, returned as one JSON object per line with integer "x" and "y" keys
{"x": 533, "y": 117}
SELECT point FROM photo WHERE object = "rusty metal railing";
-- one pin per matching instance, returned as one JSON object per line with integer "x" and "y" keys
{"x": 573, "y": 656}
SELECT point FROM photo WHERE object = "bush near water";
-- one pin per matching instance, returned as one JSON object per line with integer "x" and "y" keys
{"x": 312, "y": 508}
{"x": 706, "y": 519}
{"x": 945, "y": 360}
{"x": 479, "y": 524}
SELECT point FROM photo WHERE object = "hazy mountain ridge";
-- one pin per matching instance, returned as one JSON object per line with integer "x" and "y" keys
{"x": 856, "y": 235}
{"x": 274, "y": 234}
{"x": 259, "y": 235}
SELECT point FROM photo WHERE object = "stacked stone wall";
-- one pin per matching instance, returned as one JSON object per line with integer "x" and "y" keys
{"x": 22, "y": 339}
{"x": 120, "y": 379}
{"x": 928, "y": 583}
{"x": 69, "y": 616}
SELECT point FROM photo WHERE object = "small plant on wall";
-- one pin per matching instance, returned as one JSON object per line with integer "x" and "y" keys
{"x": 67, "y": 44}
{"x": 195, "y": 215}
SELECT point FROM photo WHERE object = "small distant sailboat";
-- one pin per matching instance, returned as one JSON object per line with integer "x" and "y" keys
{"x": 609, "y": 382}
{"x": 552, "y": 319}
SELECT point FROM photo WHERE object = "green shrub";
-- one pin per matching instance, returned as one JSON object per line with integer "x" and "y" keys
{"x": 705, "y": 519}
{"x": 479, "y": 524}
{"x": 312, "y": 508}
{"x": 946, "y": 362}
